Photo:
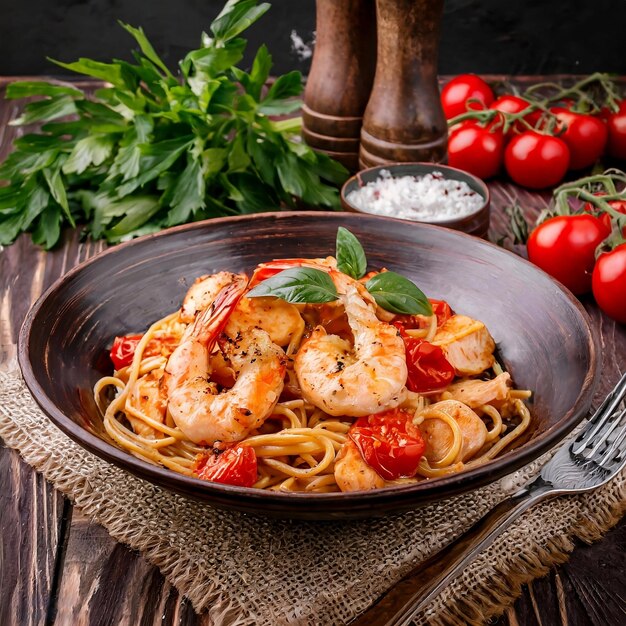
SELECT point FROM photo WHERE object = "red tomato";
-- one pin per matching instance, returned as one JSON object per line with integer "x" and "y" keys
{"x": 536, "y": 161}
{"x": 476, "y": 149}
{"x": 509, "y": 103}
{"x": 123, "y": 350}
{"x": 457, "y": 92}
{"x": 407, "y": 322}
{"x": 618, "y": 205}
{"x": 565, "y": 246}
{"x": 389, "y": 443}
{"x": 609, "y": 283}
{"x": 429, "y": 370}
{"x": 616, "y": 124}
{"x": 585, "y": 136}
{"x": 234, "y": 466}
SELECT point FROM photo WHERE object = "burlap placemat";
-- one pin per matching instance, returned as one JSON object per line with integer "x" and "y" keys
{"x": 248, "y": 570}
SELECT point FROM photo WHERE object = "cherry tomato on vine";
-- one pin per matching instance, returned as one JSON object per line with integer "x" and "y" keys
{"x": 609, "y": 283}
{"x": 123, "y": 350}
{"x": 476, "y": 149}
{"x": 234, "y": 466}
{"x": 389, "y": 443}
{"x": 564, "y": 247}
{"x": 585, "y": 136}
{"x": 457, "y": 92}
{"x": 616, "y": 124}
{"x": 605, "y": 218}
{"x": 508, "y": 103}
{"x": 536, "y": 161}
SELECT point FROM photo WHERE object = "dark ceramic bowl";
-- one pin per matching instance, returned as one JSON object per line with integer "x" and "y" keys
{"x": 541, "y": 330}
{"x": 476, "y": 223}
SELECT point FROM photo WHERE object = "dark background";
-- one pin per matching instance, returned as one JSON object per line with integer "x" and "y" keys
{"x": 484, "y": 36}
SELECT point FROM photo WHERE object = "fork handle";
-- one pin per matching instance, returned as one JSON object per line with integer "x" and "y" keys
{"x": 404, "y": 599}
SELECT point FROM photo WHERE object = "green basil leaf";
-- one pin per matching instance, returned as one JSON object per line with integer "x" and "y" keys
{"x": 398, "y": 294}
{"x": 350, "y": 254}
{"x": 298, "y": 285}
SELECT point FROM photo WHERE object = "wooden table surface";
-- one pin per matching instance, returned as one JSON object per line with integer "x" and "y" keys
{"x": 56, "y": 567}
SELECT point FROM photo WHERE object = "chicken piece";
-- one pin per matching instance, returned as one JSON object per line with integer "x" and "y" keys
{"x": 475, "y": 393}
{"x": 467, "y": 344}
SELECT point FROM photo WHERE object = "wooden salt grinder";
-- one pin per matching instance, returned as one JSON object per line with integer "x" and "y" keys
{"x": 341, "y": 76}
{"x": 404, "y": 120}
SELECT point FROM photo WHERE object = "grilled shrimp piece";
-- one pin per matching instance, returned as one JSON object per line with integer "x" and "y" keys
{"x": 467, "y": 344}
{"x": 439, "y": 437}
{"x": 203, "y": 414}
{"x": 475, "y": 393}
{"x": 352, "y": 473}
{"x": 147, "y": 396}
{"x": 354, "y": 380}
{"x": 202, "y": 294}
{"x": 279, "y": 319}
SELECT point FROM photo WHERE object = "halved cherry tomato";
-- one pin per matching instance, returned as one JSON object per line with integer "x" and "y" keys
{"x": 457, "y": 92}
{"x": 585, "y": 136}
{"x": 234, "y": 466}
{"x": 429, "y": 370}
{"x": 536, "y": 161}
{"x": 389, "y": 443}
{"x": 409, "y": 322}
{"x": 564, "y": 247}
{"x": 123, "y": 350}
{"x": 476, "y": 149}
{"x": 609, "y": 283}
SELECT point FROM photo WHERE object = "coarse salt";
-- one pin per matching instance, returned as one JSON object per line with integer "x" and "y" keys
{"x": 428, "y": 198}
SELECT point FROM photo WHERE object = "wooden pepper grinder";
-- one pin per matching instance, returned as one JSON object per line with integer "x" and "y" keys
{"x": 341, "y": 76}
{"x": 404, "y": 120}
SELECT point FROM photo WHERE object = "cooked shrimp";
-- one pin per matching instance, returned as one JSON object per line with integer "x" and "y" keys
{"x": 362, "y": 379}
{"x": 467, "y": 344}
{"x": 439, "y": 432}
{"x": 279, "y": 319}
{"x": 476, "y": 393}
{"x": 202, "y": 294}
{"x": 147, "y": 397}
{"x": 204, "y": 415}
{"x": 352, "y": 473}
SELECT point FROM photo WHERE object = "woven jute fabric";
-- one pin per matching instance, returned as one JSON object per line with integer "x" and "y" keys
{"x": 248, "y": 570}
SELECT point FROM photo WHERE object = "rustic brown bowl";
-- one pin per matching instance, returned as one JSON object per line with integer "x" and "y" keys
{"x": 541, "y": 330}
{"x": 476, "y": 223}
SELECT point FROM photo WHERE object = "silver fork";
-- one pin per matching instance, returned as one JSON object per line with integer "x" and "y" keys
{"x": 596, "y": 456}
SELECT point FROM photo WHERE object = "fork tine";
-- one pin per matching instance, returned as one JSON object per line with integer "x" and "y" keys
{"x": 600, "y": 418}
{"x": 617, "y": 442}
{"x": 611, "y": 423}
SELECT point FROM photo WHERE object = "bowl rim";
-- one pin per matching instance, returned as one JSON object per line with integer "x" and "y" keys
{"x": 484, "y": 191}
{"x": 411, "y": 495}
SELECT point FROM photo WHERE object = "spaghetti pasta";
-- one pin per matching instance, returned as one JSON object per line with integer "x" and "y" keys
{"x": 297, "y": 438}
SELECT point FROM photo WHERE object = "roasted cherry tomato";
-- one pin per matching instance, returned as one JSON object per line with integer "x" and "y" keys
{"x": 536, "y": 161}
{"x": 389, "y": 443}
{"x": 616, "y": 124}
{"x": 509, "y": 103}
{"x": 476, "y": 149}
{"x": 585, "y": 136}
{"x": 429, "y": 370}
{"x": 457, "y": 92}
{"x": 564, "y": 247}
{"x": 234, "y": 466}
{"x": 609, "y": 283}
{"x": 408, "y": 322}
{"x": 123, "y": 350}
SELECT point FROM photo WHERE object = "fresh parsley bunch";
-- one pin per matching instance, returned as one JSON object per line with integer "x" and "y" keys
{"x": 153, "y": 150}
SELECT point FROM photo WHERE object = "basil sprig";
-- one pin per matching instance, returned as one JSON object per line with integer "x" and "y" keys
{"x": 398, "y": 294}
{"x": 350, "y": 254}
{"x": 298, "y": 285}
